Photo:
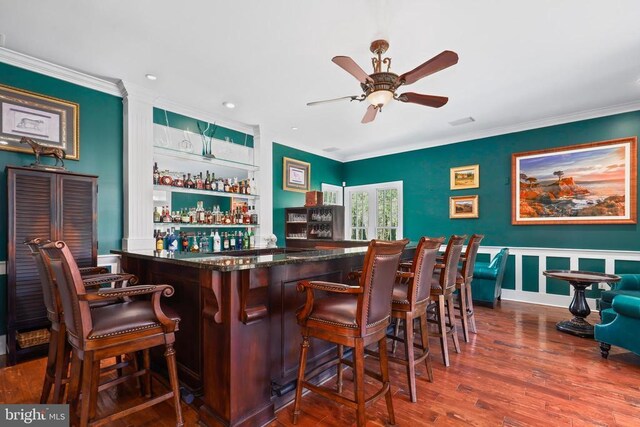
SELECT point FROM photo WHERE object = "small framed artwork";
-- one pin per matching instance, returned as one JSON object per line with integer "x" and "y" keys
{"x": 465, "y": 177}
{"x": 296, "y": 175}
{"x": 594, "y": 183}
{"x": 463, "y": 207}
{"x": 49, "y": 121}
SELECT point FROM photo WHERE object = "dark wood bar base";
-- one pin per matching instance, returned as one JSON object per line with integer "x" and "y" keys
{"x": 238, "y": 344}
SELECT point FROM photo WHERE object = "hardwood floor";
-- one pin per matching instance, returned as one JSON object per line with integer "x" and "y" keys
{"x": 518, "y": 371}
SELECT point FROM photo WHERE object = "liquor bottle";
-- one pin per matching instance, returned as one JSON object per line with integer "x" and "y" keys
{"x": 199, "y": 182}
{"x": 189, "y": 182}
{"x": 236, "y": 186}
{"x": 159, "y": 241}
{"x": 195, "y": 247}
{"x": 252, "y": 186}
{"x": 232, "y": 241}
{"x": 248, "y": 189}
{"x": 157, "y": 217}
{"x": 166, "y": 217}
{"x": 226, "y": 186}
{"x": 185, "y": 243}
{"x": 204, "y": 243}
{"x": 156, "y": 174}
{"x": 246, "y": 218}
{"x": 216, "y": 242}
{"x": 200, "y": 213}
{"x": 252, "y": 239}
{"x": 226, "y": 242}
{"x": 245, "y": 240}
{"x": 254, "y": 215}
{"x": 207, "y": 182}
{"x": 172, "y": 240}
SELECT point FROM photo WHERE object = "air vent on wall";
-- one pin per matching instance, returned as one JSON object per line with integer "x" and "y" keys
{"x": 330, "y": 149}
{"x": 462, "y": 121}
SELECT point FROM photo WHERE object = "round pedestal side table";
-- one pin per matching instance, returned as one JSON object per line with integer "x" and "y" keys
{"x": 580, "y": 280}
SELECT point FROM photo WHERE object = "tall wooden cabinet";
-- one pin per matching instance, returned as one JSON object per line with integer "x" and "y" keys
{"x": 53, "y": 205}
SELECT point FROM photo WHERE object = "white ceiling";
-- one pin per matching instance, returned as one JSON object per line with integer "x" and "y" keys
{"x": 520, "y": 61}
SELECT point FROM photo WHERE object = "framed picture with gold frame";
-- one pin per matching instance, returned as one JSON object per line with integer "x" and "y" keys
{"x": 296, "y": 175}
{"x": 49, "y": 121}
{"x": 463, "y": 207}
{"x": 465, "y": 177}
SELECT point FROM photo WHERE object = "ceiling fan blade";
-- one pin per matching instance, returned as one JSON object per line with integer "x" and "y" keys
{"x": 350, "y": 66}
{"x": 326, "y": 101}
{"x": 370, "y": 115}
{"x": 439, "y": 62}
{"x": 428, "y": 100}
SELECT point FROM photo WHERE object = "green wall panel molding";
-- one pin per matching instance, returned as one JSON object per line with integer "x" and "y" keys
{"x": 627, "y": 267}
{"x": 509, "y": 280}
{"x": 425, "y": 174}
{"x": 596, "y": 265}
{"x": 178, "y": 121}
{"x": 323, "y": 170}
{"x": 530, "y": 273}
{"x": 101, "y": 133}
{"x": 555, "y": 286}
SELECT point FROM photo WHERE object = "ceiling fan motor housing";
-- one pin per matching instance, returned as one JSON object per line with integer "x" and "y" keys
{"x": 381, "y": 81}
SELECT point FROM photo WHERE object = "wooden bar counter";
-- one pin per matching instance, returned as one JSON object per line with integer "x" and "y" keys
{"x": 238, "y": 343}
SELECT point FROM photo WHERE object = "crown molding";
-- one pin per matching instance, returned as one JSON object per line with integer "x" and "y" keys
{"x": 503, "y": 130}
{"x": 131, "y": 90}
{"x": 205, "y": 116}
{"x": 50, "y": 69}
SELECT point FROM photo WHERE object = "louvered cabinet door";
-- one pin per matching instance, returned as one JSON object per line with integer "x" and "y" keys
{"x": 32, "y": 209}
{"x": 78, "y": 217}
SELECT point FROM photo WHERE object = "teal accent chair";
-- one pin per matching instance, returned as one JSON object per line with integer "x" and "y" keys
{"x": 629, "y": 284}
{"x": 486, "y": 286}
{"x": 620, "y": 325}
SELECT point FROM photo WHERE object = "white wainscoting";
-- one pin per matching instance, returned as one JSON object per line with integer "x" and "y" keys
{"x": 574, "y": 255}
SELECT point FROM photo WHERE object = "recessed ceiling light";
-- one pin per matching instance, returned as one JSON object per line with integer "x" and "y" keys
{"x": 151, "y": 77}
{"x": 294, "y": 128}
{"x": 2, "y": 142}
{"x": 229, "y": 105}
{"x": 462, "y": 121}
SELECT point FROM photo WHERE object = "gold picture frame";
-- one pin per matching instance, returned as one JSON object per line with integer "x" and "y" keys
{"x": 49, "y": 121}
{"x": 463, "y": 177}
{"x": 463, "y": 207}
{"x": 296, "y": 175}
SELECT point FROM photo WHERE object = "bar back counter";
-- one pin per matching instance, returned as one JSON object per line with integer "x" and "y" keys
{"x": 239, "y": 342}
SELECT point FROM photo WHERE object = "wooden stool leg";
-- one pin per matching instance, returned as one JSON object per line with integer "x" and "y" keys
{"x": 442, "y": 329}
{"x": 147, "y": 376}
{"x": 340, "y": 356}
{"x": 74, "y": 382}
{"x": 472, "y": 316}
{"x": 396, "y": 332}
{"x": 85, "y": 389}
{"x": 462, "y": 294}
{"x": 452, "y": 318}
{"x": 170, "y": 356}
{"x": 358, "y": 371}
{"x": 384, "y": 370}
{"x": 49, "y": 373}
{"x": 304, "y": 348}
{"x": 424, "y": 335}
{"x": 93, "y": 396}
{"x": 410, "y": 356}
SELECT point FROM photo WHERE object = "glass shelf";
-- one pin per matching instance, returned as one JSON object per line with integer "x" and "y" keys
{"x": 193, "y": 157}
{"x": 170, "y": 189}
{"x": 178, "y": 226}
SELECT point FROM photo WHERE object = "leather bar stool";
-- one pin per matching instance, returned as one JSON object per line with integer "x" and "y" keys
{"x": 104, "y": 332}
{"x": 56, "y": 373}
{"x": 463, "y": 285}
{"x": 354, "y": 316}
{"x": 410, "y": 299}
{"x": 443, "y": 285}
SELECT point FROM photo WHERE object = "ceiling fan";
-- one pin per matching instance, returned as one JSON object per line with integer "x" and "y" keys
{"x": 380, "y": 87}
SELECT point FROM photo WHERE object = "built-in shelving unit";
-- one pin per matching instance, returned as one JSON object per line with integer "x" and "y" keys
{"x": 314, "y": 222}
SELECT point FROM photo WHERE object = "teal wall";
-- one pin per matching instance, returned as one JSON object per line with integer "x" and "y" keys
{"x": 178, "y": 121}
{"x": 426, "y": 186}
{"x": 323, "y": 170}
{"x": 100, "y": 154}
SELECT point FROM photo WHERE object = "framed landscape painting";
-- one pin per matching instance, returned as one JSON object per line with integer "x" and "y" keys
{"x": 465, "y": 177}
{"x": 296, "y": 175}
{"x": 592, "y": 183}
{"x": 49, "y": 121}
{"x": 463, "y": 207}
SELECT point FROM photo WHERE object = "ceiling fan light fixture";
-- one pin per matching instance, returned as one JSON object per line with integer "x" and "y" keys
{"x": 380, "y": 97}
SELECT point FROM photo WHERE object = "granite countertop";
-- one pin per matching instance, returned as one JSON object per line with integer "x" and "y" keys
{"x": 247, "y": 259}
{"x": 244, "y": 260}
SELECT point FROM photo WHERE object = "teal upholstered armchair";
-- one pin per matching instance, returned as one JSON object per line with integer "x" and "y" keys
{"x": 620, "y": 325}
{"x": 629, "y": 284}
{"x": 486, "y": 286}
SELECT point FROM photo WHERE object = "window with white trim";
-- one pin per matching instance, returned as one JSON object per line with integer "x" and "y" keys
{"x": 331, "y": 194}
{"x": 374, "y": 211}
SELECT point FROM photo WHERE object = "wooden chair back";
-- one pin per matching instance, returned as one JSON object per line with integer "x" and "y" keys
{"x": 450, "y": 260}
{"x": 470, "y": 257}
{"x": 422, "y": 268}
{"x": 77, "y": 313}
{"x": 49, "y": 294}
{"x": 377, "y": 280}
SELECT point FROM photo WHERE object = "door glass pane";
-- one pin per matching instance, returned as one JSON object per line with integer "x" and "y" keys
{"x": 387, "y": 214}
{"x": 359, "y": 215}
